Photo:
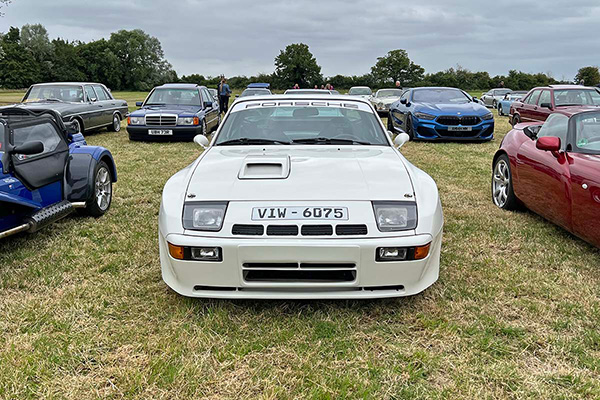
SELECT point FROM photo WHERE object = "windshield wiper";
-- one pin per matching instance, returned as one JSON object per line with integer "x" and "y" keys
{"x": 250, "y": 141}
{"x": 324, "y": 140}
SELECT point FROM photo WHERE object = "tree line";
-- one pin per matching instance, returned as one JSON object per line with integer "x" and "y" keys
{"x": 134, "y": 60}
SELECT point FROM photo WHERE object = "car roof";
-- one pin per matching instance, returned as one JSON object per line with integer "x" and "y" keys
{"x": 180, "y": 86}
{"x": 360, "y": 87}
{"x": 434, "y": 87}
{"x": 307, "y": 91}
{"x": 306, "y": 96}
{"x": 67, "y": 83}
{"x": 566, "y": 87}
{"x": 259, "y": 85}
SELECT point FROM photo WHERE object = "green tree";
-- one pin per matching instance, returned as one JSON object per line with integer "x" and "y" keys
{"x": 590, "y": 76}
{"x": 141, "y": 59}
{"x": 100, "y": 64}
{"x": 34, "y": 39}
{"x": 397, "y": 66}
{"x": 66, "y": 63}
{"x": 296, "y": 64}
{"x": 18, "y": 68}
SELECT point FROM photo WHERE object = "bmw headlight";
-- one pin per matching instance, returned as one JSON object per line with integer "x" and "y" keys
{"x": 136, "y": 121}
{"x": 395, "y": 215}
{"x": 204, "y": 216}
{"x": 188, "y": 121}
{"x": 424, "y": 116}
{"x": 488, "y": 116}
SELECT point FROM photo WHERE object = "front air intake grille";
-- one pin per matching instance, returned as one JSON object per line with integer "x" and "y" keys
{"x": 282, "y": 230}
{"x": 161, "y": 120}
{"x": 347, "y": 230}
{"x": 250, "y": 230}
{"x": 317, "y": 230}
{"x": 453, "y": 120}
{"x": 300, "y": 276}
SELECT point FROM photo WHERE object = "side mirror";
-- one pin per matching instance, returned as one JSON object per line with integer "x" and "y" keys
{"x": 475, "y": 99}
{"x": 532, "y": 131}
{"x": 29, "y": 148}
{"x": 208, "y": 104}
{"x": 546, "y": 105}
{"x": 403, "y": 101}
{"x": 201, "y": 141}
{"x": 92, "y": 99}
{"x": 548, "y": 143}
{"x": 139, "y": 103}
{"x": 237, "y": 95}
{"x": 401, "y": 139}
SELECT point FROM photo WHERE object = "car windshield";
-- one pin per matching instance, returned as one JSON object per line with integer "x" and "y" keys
{"x": 255, "y": 92}
{"x": 451, "y": 96}
{"x": 587, "y": 132}
{"x": 576, "y": 97}
{"x": 360, "y": 91}
{"x": 66, "y": 93}
{"x": 301, "y": 124}
{"x": 502, "y": 92}
{"x": 184, "y": 97}
{"x": 389, "y": 93}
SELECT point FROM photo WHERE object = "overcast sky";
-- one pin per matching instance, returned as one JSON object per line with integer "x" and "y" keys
{"x": 242, "y": 37}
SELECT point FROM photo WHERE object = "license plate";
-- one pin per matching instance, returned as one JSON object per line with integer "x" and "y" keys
{"x": 160, "y": 132}
{"x": 291, "y": 213}
{"x": 460, "y": 128}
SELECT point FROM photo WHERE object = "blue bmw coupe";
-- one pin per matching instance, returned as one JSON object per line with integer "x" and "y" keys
{"x": 440, "y": 113}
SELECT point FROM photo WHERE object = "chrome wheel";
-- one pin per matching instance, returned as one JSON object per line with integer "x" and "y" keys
{"x": 77, "y": 125}
{"x": 103, "y": 188}
{"x": 116, "y": 123}
{"x": 501, "y": 183}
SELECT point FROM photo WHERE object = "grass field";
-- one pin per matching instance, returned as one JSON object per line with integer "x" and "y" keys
{"x": 85, "y": 314}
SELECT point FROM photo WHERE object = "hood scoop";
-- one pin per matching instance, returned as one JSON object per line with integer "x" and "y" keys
{"x": 265, "y": 167}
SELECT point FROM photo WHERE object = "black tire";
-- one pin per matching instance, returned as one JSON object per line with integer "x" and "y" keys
{"x": 494, "y": 104}
{"x": 409, "y": 127}
{"x": 516, "y": 119}
{"x": 116, "y": 123}
{"x": 503, "y": 195}
{"x": 102, "y": 186}
{"x": 77, "y": 125}
{"x": 500, "y": 109}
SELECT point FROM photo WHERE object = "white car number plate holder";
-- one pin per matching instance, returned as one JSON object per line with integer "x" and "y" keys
{"x": 460, "y": 128}
{"x": 299, "y": 213}
{"x": 160, "y": 132}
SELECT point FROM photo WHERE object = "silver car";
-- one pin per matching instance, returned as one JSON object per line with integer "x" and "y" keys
{"x": 384, "y": 98}
{"x": 492, "y": 97}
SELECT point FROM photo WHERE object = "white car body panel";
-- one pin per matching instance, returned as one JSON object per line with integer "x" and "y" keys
{"x": 350, "y": 176}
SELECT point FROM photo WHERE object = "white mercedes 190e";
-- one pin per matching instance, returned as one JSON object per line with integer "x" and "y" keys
{"x": 300, "y": 198}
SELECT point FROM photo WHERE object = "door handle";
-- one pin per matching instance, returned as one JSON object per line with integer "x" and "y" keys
{"x": 584, "y": 186}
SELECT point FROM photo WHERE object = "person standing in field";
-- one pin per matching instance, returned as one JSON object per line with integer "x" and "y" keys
{"x": 224, "y": 93}
{"x": 398, "y": 85}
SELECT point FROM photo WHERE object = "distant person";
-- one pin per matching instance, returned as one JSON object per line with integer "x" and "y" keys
{"x": 328, "y": 87}
{"x": 296, "y": 86}
{"x": 501, "y": 84}
{"x": 398, "y": 85}
{"x": 224, "y": 93}
{"x": 322, "y": 87}
{"x": 316, "y": 86}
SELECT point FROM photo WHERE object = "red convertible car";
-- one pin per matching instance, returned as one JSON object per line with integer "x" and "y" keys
{"x": 540, "y": 102}
{"x": 553, "y": 168}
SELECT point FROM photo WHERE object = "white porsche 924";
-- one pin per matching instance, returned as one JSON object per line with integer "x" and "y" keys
{"x": 300, "y": 197}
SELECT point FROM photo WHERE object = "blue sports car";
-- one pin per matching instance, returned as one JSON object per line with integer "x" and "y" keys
{"x": 504, "y": 104}
{"x": 47, "y": 170}
{"x": 440, "y": 113}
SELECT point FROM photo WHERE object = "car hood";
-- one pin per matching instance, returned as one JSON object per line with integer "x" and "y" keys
{"x": 386, "y": 100}
{"x": 297, "y": 173}
{"x": 178, "y": 110}
{"x": 52, "y": 105}
{"x": 439, "y": 109}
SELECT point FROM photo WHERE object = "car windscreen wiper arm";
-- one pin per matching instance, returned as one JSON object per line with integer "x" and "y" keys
{"x": 250, "y": 141}
{"x": 324, "y": 140}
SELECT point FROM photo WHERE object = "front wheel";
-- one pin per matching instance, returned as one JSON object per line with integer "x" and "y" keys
{"x": 409, "y": 127}
{"x": 494, "y": 104}
{"x": 502, "y": 187}
{"x": 500, "y": 109}
{"x": 116, "y": 123}
{"x": 101, "y": 198}
{"x": 516, "y": 119}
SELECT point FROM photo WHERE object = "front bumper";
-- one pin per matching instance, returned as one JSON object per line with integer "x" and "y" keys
{"x": 137, "y": 132}
{"x": 229, "y": 278}
{"x": 432, "y": 130}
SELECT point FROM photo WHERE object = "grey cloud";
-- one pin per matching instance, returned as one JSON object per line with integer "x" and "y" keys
{"x": 243, "y": 37}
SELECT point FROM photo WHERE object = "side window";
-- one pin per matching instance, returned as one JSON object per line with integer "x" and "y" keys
{"x": 556, "y": 125}
{"x": 545, "y": 97}
{"x": 45, "y": 133}
{"x": 102, "y": 95}
{"x": 533, "y": 98}
{"x": 91, "y": 95}
{"x": 206, "y": 98}
{"x": 405, "y": 95}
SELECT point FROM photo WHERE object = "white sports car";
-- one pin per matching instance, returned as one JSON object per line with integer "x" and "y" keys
{"x": 300, "y": 198}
